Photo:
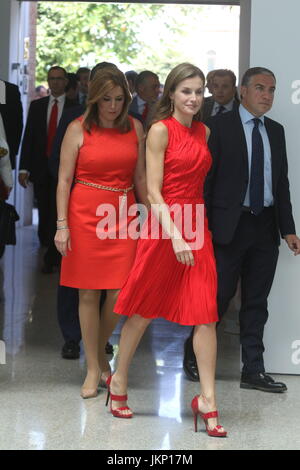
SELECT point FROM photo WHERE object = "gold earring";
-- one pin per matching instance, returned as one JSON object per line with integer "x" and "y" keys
{"x": 172, "y": 106}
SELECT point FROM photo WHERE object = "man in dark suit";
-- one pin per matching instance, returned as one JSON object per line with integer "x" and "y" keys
{"x": 147, "y": 89}
{"x": 12, "y": 116}
{"x": 248, "y": 205}
{"x": 224, "y": 94}
{"x": 43, "y": 117}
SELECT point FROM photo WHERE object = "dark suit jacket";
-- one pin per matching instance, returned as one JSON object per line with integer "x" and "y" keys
{"x": 34, "y": 145}
{"x": 227, "y": 181}
{"x": 134, "y": 110}
{"x": 134, "y": 106}
{"x": 12, "y": 115}
{"x": 67, "y": 117}
{"x": 208, "y": 107}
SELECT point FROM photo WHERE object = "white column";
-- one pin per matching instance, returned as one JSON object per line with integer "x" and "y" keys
{"x": 14, "y": 27}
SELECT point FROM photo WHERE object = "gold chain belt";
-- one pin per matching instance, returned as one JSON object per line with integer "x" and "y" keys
{"x": 107, "y": 188}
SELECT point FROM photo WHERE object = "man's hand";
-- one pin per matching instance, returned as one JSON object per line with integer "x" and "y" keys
{"x": 293, "y": 243}
{"x": 23, "y": 179}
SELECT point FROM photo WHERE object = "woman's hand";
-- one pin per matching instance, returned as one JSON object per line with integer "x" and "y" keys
{"x": 183, "y": 252}
{"x": 62, "y": 241}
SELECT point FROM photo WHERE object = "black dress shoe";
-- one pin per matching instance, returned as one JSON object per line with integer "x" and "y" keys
{"x": 109, "y": 349}
{"x": 70, "y": 350}
{"x": 189, "y": 361}
{"x": 263, "y": 382}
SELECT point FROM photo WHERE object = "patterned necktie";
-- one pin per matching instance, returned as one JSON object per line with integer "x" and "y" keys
{"x": 221, "y": 109}
{"x": 52, "y": 127}
{"x": 257, "y": 170}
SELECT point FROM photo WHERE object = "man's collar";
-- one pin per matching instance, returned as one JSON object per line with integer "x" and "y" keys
{"x": 58, "y": 98}
{"x": 246, "y": 116}
{"x": 227, "y": 106}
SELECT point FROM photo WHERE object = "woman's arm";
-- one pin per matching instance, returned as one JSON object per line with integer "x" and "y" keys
{"x": 69, "y": 152}
{"x": 140, "y": 170}
{"x": 156, "y": 145}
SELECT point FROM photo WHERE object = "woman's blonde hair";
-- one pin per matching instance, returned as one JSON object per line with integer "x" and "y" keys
{"x": 177, "y": 75}
{"x": 103, "y": 82}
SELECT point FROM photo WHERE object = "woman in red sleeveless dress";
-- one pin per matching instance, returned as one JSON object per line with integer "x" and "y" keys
{"x": 174, "y": 273}
{"x": 103, "y": 155}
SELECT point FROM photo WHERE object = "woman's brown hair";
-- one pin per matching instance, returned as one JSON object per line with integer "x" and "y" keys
{"x": 177, "y": 75}
{"x": 104, "y": 81}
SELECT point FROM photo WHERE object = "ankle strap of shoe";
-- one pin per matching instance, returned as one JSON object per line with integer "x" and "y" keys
{"x": 211, "y": 414}
{"x": 118, "y": 397}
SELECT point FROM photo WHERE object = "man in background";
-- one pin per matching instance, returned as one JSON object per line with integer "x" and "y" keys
{"x": 224, "y": 94}
{"x": 147, "y": 92}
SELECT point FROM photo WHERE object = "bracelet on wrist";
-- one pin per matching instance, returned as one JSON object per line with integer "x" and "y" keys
{"x": 62, "y": 228}
{"x": 61, "y": 220}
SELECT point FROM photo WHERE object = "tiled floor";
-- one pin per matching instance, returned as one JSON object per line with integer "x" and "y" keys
{"x": 40, "y": 406}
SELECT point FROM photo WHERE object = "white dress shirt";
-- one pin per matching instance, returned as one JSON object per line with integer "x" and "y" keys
{"x": 60, "y": 104}
{"x": 247, "y": 121}
{"x": 141, "y": 105}
{"x": 216, "y": 106}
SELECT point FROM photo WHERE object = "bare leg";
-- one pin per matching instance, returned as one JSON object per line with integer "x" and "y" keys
{"x": 131, "y": 335}
{"x": 108, "y": 322}
{"x": 90, "y": 322}
{"x": 205, "y": 349}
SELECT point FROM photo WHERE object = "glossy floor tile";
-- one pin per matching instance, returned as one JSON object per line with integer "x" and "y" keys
{"x": 40, "y": 406}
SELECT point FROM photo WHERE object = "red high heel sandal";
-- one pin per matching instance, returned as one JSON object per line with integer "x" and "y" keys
{"x": 205, "y": 416}
{"x": 117, "y": 411}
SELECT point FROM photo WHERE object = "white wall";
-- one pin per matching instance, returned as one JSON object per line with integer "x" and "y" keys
{"x": 274, "y": 43}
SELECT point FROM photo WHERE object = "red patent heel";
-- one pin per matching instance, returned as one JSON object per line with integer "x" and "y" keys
{"x": 215, "y": 432}
{"x": 117, "y": 412}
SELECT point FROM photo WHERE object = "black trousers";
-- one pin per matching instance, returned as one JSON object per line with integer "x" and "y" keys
{"x": 67, "y": 313}
{"x": 252, "y": 257}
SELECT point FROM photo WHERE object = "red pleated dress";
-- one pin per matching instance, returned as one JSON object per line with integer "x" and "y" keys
{"x": 158, "y": 285}
{"x": 101, "y": 256}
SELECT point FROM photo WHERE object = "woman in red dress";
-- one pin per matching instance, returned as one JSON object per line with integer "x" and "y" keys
{"x": 174, "y": 274}
{"x": 103, "y": 155}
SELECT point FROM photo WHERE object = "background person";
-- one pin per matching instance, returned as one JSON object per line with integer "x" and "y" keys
{"x": 147, "y": 92}
{"x": 223, "y": 89}
{"x": 248, "y": 203}
{"x": 42, "y": 121}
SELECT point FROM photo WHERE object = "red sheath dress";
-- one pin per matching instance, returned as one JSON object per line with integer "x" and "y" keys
{"x": 107, "y": 158}
{"x": 158, "y": 285}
